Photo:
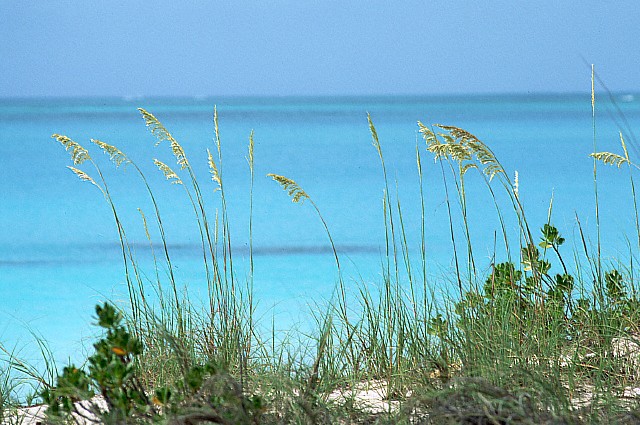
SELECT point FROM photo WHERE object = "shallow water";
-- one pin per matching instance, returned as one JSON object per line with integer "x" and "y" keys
{"x": 59, "y": 249}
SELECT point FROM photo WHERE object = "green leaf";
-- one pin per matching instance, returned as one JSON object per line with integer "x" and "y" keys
{"x": 550, "y": 237}
{"x": 564, "y": 283}
{"x": 108, "y": 317}
{"x": 615, "y": 285}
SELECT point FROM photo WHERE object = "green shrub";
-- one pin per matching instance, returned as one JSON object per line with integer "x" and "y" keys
{"x": 206, "y": 393}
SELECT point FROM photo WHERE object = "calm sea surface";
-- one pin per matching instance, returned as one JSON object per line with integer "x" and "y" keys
{"x": 59, "y": 251}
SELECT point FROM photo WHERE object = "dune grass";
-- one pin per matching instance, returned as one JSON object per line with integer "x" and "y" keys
{"x": 548, "y": 335}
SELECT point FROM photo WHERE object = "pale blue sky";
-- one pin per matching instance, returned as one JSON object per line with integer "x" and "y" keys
{"x": 278, "y": 47}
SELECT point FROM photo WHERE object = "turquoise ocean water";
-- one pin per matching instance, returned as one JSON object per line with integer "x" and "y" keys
{"x": 59, "y": 252}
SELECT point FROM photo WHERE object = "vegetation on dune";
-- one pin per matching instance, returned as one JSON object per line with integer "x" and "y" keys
{"x": 546, "y": 336}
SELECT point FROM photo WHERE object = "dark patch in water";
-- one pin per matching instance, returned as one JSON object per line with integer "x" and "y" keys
{"x": 95, "y": 253}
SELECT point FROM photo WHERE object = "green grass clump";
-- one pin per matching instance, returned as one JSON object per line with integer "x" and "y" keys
{"x": 542, "y": 335}
{"x": 205, "y": 393}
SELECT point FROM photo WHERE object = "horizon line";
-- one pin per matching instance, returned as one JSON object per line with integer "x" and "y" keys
{"x": 206, "y": 97}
